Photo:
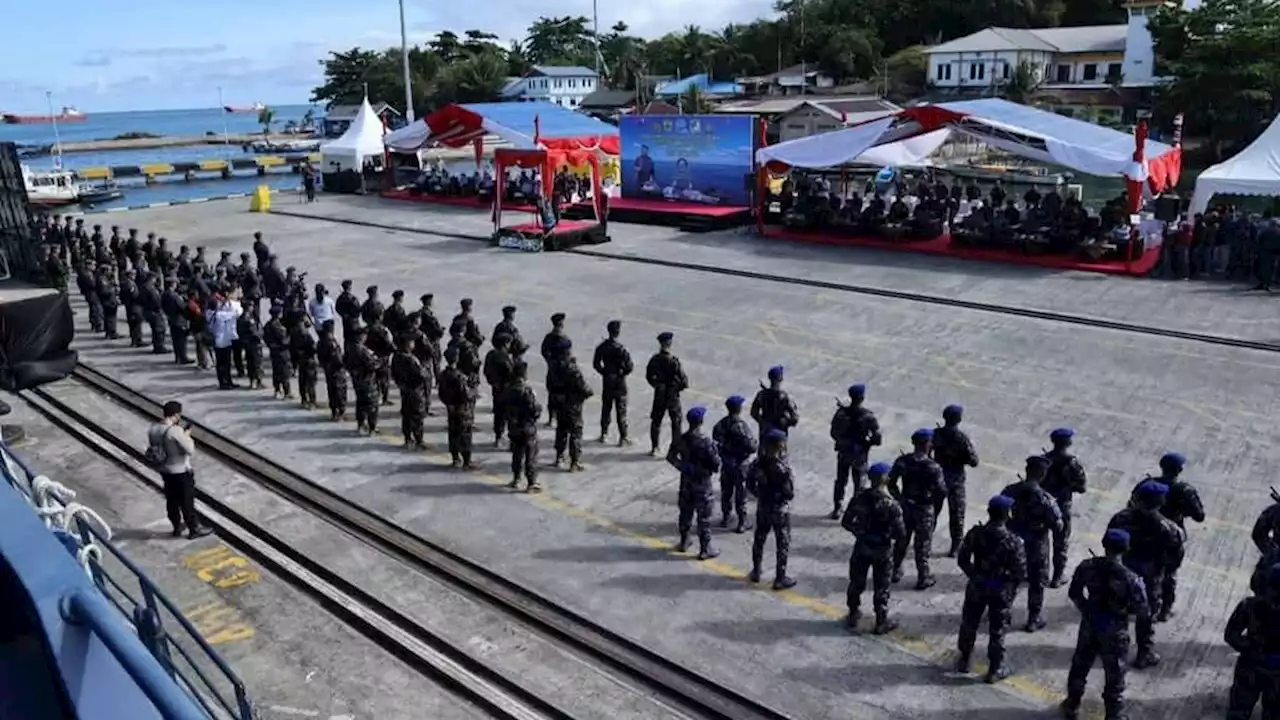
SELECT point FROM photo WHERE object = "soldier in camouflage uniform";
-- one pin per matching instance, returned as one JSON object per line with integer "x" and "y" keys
{"x": 335, "y": 371}
{"x": 875, "y": 518}
{"x": 854, "y": 430}
{"x": 1182, "y": 502}
{"x": 771, "y": 481}
{"x": 550, "y": 352}
{"x": 459, "y": 398}
{"x": 773, "y": 407}
{"x": 921, "y": 485}
{"x": 498, "y": 369}
{"x": 88, "y": 286}
{"x": 434, "y": 331}
{"x": 109, "y": 297}
{"x": 953, "y": 451}
{"x": 276, "y": 338}
{"x": 249, "y": 328}
{"x": 1064, "y": 480}
{"x": 736, "y": 445}
{"x": 1107, "y": 594}
{"x": 507, "y": 326}
{"x": 470, "y": 330}
{"x": 410, "y": 378}
{"x": 395, "y": 315}
{"x": 694, "y": 455}
{"x": 371, "y": 309}
{"x": 1253, "y": 630}
{"x": 995, "y": 561}
{"x": 302, "y": 347}
{"x": 1156, "y": 544}
{"x": 378, "y": 338}
{"x": 468, "y": 362}
{"x": 348, "y": 308}
{"x": 612, "y": 361}
{"x": 572, "y": 391}
{"x": 1035, "y": 519}
{"x": 665, "y": 375}
{"x": 363, "y": 365}
{"x": 523, "y": 411}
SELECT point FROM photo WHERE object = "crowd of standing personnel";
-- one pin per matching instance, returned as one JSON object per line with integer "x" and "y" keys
{"x": 894, "y": 510}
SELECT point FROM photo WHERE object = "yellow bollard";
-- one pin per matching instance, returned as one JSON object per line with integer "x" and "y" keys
{"x": 261, "y": 200}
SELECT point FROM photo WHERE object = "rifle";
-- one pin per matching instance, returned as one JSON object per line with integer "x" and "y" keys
{"x": 1275, "y": 495}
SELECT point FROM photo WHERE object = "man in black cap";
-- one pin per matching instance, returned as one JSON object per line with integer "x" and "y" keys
{"x": 1107, "y": 594}
{"x": 1253, "y": 630}
{"x": 260, "y": 250}
{"x": 88, "y": 286}
{"x": 1035, "y": 519}
{"x": 154, "y": 313}
{"x": 771, "y": 481}
{"x": 459, "y": 397}
{"x": 348, "y": 308}
{"x": 665, "y": 375}
{"x": 953, "y": 452}
{"x": 363, "y": 365}
{"x": 571, "y": 391}
{"x": 276, "y": 338}
{"x": 393, "y": 318}
{"x": 507, "y": 326}
{"x": 470, "y": 330}
{"x": 1156, "y": 543}
{"x": 550, "y": 351}
{"x": 995, "y": 562}
{"x": 174, "y": 308}
{"x": 378, "y": 339}
{"x": 694, "y": 455}
{"x": 410, "y": 378}
{"x": 921, "y": 486}
{"x": 303, "y": 351}
{"x": 371, "y": 309}
{"x": 435, "y": 332}
{"x": 1064, "y": 479}
{"x": 736, "y": 444}
{"x": 773, "y": 407}
{"x": 875, "y": 518}
{"x": 468, "y": 355}
{"x": 499, "y": 371}
{"x": 854, "y": 430}
{"x": 333, "y": 363}
{"x": 131, "y": 298}
{"x": 249, "y": 330}
{"x": 612, "y": 361}
{"x": 523, "y": 411}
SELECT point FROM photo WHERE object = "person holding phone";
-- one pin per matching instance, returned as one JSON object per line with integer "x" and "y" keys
{"x": 170, "y": 449}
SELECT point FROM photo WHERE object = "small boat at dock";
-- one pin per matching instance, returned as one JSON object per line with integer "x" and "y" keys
{"x": 69, "y": 114}
{"x": 59, "y": 188}
{"x": 261, "y": 147}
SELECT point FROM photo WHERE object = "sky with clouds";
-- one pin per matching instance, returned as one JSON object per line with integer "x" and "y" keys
{"x": 147, "y": 54}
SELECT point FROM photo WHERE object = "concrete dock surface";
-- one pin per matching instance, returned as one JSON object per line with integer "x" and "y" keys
{"x": 596, "y": 540}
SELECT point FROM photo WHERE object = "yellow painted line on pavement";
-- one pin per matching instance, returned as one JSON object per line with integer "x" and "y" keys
{"x": 222, "y": 568}
{"x": 219, "y": 623}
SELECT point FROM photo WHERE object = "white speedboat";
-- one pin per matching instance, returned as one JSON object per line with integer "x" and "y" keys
{"x": 57, "y": 188}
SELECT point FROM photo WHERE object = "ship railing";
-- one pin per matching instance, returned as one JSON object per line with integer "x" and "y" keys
{"x": 172, "y": 639}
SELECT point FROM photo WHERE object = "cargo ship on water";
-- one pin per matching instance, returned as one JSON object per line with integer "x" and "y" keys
{"x": 244, "y": 109}
{"x": 68, "y": 114}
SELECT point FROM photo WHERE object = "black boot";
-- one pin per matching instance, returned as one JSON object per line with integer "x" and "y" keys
{"x": 684, "y": 542}
{"x": 884, "y": 624}
{"x": 707, "y": 552}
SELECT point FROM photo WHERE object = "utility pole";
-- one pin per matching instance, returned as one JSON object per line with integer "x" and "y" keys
{"x": 404, "y": 58}
{"x": 804, "y": 64}
{"x": 595, "y": 34}
{"x": 57, "y": 141}
{"x": 222, "y": 109}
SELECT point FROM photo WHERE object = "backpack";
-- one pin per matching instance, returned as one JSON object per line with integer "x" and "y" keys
{"x": 156, "y": 455}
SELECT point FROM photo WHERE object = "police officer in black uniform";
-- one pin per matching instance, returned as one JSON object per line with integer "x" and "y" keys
{"x": 348, "y": 308}
{"x": 499, "y": 371}
{"x": 613, "y": 363}
{"x": 108, "y": 295}
{"x": 371, "y": 309}
{"x": 1035, "y": 519}
{"x": 153, "y": 311}
{"x": 1064, "y": 480}
{"x": 694, "y": 455}
{"x": 434, "y": 331}
{"x": 953, "y": 451}
{"x": 1107, "y": 594}
{"x": 920, "y": 486}
{"x": 1253, "y": 630}
{"x": 773, "y": 407}
{"x": 523, "y": 411}
{"x": 1181, "y": 503}
{"x": 854, "y": 430}
{"x": 88, "y": 286}
{"x": 995, "y": 562}
{"x": 175, "y": 313}
{"x": 771, "y": 481}
{"x": 130, "y": 297}
{"x": 665, "y": 375}
{"x": 572, "y": 391}
{"x": 736, "y": 444}
{"x": 1156, "y": 545}
{"x": 550, "y": 351}
{"x": 875, "y": 518}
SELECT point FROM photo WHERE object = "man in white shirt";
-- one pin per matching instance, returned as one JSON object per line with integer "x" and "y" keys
{"x": 321, "y": 309}
{"x": 222, "y": 325}
{"x": 171, "y": 444}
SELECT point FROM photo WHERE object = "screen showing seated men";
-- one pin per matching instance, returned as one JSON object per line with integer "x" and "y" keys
{"x": 687, "y": 158}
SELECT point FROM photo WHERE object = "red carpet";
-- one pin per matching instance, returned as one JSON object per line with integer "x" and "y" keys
{"x": 942, "y": 246}
{"x": 669, "y": 206}
{"x": 563, "y": 228}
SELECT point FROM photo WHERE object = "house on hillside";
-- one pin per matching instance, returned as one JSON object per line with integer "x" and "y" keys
{"x": 797, "y": 117}
{"x": 609, "y": 105}
{"x": 564, "y": 85}
{"x": 1103, "y": 70}
{"x": 795, "y": 80}
{"x": 337, "y": 118}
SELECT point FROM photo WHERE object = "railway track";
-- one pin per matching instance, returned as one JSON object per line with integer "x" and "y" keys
{"x": 684, "y": 690}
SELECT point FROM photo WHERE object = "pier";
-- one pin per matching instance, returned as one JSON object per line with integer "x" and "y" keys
{"x": 258, "y": 163}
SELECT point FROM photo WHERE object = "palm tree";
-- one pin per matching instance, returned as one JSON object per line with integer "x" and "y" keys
{"x": 266, "y": 118}
{"x": 693, "y": 102}
{"x": 479, "y": 78}
{"x": 696, "y": 49}
{"x": 1022, "y": 85}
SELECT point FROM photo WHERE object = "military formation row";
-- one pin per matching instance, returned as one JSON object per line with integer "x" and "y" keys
{"x": 894, "y": 510}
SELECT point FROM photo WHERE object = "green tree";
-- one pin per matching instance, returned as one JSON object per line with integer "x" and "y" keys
{"x": 1022, "y": 84}
{"x": 266, "y": 118}
{"x": 478, "y": 78}
{"x": 560, "y": 41}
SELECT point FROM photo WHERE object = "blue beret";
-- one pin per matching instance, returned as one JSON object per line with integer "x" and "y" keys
{"x": 735, "y": 401}
{"x": 1151, "y": 488}
{"x": 775, "y": 434}
{"x": 878, "y": 469}
{"x": 1038, "y": 462}
{"x": 950, "y": 410}
{"x": 1174, "y": 459}
{"x": 921, "y": 434}
{"x": 696, "y": 413}
{"x": 1062, "y": 433}
{"x": 858, "y": 389}
{"x": 775, "y": 372}
{"x": 666, "y": 337}
{"x": 1117, "y": 538}
{"x": 1000, "y": 502}
{"x": 565, "y": 343}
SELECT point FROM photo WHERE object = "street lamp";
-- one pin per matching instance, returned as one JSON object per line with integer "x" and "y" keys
{"x": 404, "y": 58}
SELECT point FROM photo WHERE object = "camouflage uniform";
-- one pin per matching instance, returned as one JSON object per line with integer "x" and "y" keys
{"x": 665, "y": 375}
{"x": 1107, "y": 594}
{"x": 1182, "y": 502}
{"x": 1156, "y": 545}
{"x": 336, "y": 379}
{"x": 773, "y": 408}
{"x": 410, "y": 378}
{"x": 1035, "y": 518}
{"x": 854, "y": 430}
{"x": 573, "y": 391}
{"x": 459, "y": 397}
{"x": 523, "y": 412}
{"x": 953, "y": 451}
{"x": 276, "y": 339}
{"x": 736, "y": 445}
{"x": 1065, "y": 479}
{"x": 363, "y": 365}
{"x": 302, "y": 348}
{"x": 771, "y": 481}
{"x": 694, "y": 455}
{"x": 551, "y": 353}
{"x": 875, "y": 518}
{"x": 498, "y": 369}
{"x": 1253, "y": 630}
{"x": 612, "y": 361}
{"x": 383, "y": 345}
{"x": 922, "y": 484}
{"x": 995, "y": 561}
{"x": 89, "y": 289}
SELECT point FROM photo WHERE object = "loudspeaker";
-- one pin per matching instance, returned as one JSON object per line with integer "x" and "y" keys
{"x": 1168, "y": 208}
{"x": 749, "y": 181}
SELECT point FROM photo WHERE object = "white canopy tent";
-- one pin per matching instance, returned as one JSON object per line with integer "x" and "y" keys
{"x": 363, "y": 139}
{"x": 1253, "y": 171}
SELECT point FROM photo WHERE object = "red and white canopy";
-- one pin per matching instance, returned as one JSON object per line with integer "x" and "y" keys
{"x": 524, "y": 126}
{"x": 914, "y": 133}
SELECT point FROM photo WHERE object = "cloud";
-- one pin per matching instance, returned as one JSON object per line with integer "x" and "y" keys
{"x": 94, "y": 59}
{"x": 174, "y": 51}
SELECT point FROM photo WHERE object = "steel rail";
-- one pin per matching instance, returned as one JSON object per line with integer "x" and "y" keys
{"x": 687, "y": 690}
{"x": 232, "y": 525}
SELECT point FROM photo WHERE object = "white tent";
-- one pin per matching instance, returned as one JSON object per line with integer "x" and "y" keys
{"x": 363, "y": 139}
{"x": 1254, "y": 171}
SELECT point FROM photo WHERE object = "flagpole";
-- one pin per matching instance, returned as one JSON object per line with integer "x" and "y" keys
{"x": 57, "y": 141}
{"x": 404, "y": 59}
{"x": 222, "y": 108}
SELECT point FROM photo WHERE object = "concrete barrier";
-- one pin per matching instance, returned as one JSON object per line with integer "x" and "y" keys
{"x": 257, "y": 162}
{"x": 171, "y": 203}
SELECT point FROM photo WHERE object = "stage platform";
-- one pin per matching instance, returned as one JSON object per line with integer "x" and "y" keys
{"x": 1140, "y": 267}
{"x": 690, "y": 217}
{"x": 567, "y": 234}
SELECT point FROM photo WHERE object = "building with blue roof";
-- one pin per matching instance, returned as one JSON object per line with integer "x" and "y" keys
{"x": 704, "y": 84}
{"x": 563, "y": 85}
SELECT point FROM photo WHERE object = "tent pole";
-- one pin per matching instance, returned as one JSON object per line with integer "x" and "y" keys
{"x": 404, "y": 61}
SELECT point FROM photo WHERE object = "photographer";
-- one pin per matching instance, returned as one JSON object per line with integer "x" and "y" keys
{"x": 169, "y": 450}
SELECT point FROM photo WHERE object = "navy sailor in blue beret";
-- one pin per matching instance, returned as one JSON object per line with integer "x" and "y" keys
{"x": 694, "y": 454}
